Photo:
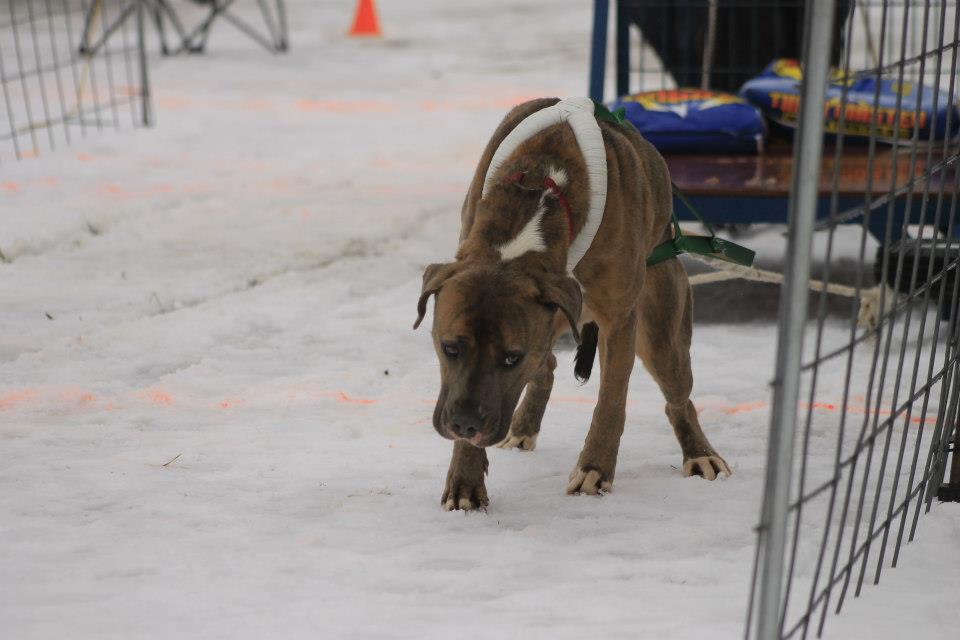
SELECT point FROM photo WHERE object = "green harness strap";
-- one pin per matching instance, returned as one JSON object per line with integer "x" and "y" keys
{"x": 704, "y": 245}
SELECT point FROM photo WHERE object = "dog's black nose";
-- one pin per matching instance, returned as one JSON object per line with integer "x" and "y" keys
{"x": 465, "y": 425}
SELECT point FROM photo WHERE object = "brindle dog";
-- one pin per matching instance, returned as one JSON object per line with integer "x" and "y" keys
{"x": 497, "y": 314}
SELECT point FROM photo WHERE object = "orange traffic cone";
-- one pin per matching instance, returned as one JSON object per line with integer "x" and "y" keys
{"x": 365, "y": 21}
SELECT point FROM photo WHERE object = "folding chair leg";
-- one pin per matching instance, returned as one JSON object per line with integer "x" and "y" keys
{"x": 251, "y": 32}
{"x": 271, "y": 25}
{"x": 284, "y": 41}
{"x": 202, "y": 31}
{"x": 196, "y": 40}
{"x": 164, "y": 7}
{"x": 157, "y": 14}
{"x": 87, "y": 23}
{"x": 88, "y": 49}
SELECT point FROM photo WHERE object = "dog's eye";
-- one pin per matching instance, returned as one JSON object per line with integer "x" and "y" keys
{"x": 451, "y": 349}
{"x": 512, "y": 359}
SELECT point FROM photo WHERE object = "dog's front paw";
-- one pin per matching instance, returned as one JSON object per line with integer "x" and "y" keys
{"x": 524, "y": 443}
{"x": 464, "y": 496}
{"x": 589, "y": 481}
{"x": 708, "y": 467}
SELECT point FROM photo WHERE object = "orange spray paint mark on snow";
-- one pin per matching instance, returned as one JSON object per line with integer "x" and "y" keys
{"x": 851, "y": 409}
{"x": 744, "y": 407}
{"x": 81, "y": 398}
{"x": 231, "y": 403}
{"x": 342, "y": 397}
{"x": 12, "y": 399}
{"x": 860, "y": 410}
{"x": 159, "y": 396}
{"x": 11, "y": 186}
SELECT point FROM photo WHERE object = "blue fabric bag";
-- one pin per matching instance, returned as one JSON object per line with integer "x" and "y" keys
{"x": 776, "y": 92}
{"x": 691, "y": 120}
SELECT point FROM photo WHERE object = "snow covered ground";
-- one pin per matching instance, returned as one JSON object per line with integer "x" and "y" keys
{"x": 215, "y": 418}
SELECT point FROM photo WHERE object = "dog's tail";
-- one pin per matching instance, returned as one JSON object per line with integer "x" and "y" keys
{"x": 586, "y": 352}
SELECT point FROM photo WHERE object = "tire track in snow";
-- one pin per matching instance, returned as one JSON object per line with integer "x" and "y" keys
{"x": 353, "y": 248}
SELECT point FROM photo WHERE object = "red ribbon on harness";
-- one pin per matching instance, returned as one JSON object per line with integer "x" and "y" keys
{"x": 555, "y": 190}
{"x": 562, "y": 199}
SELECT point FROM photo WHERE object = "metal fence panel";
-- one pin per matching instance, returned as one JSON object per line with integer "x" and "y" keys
{"x": 52, "y": 92}
{"x": 866, "y": 388}
{"x": 877, "y": 391}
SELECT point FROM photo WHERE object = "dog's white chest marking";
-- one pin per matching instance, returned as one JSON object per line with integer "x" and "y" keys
{"x": 578, "y": 113}
{"x": 530, "y": 238}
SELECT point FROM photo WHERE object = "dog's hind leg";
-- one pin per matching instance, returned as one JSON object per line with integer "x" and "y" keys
{"x": 598, "y": 459}
{"x": 525, "y": 425}
{"x": 663, "y": 345}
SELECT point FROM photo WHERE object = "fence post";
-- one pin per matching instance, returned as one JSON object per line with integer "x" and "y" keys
{"x": 804, "y": 192}
{"x": 144, "y": 74}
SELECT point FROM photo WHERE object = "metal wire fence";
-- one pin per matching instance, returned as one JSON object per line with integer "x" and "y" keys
{"x": 719, "y": 44}
{"x": 702, "y": 43}
{"x": 878, "y": 402}
{"x": 866, "y": 387}
{"x": 53, "y": 93}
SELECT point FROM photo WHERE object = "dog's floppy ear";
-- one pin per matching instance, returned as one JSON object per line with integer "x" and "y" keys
{"x": 563, "y": 292}
{"x": 433, "y": 278}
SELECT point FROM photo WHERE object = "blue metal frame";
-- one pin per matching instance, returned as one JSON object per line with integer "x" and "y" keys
{"x": 598, "y": 48}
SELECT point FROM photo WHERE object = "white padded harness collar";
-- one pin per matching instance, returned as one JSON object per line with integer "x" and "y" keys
{"x": 578, "y": 113}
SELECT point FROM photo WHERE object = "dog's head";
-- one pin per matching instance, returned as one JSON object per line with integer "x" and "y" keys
{"x": 493, "y": 326}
